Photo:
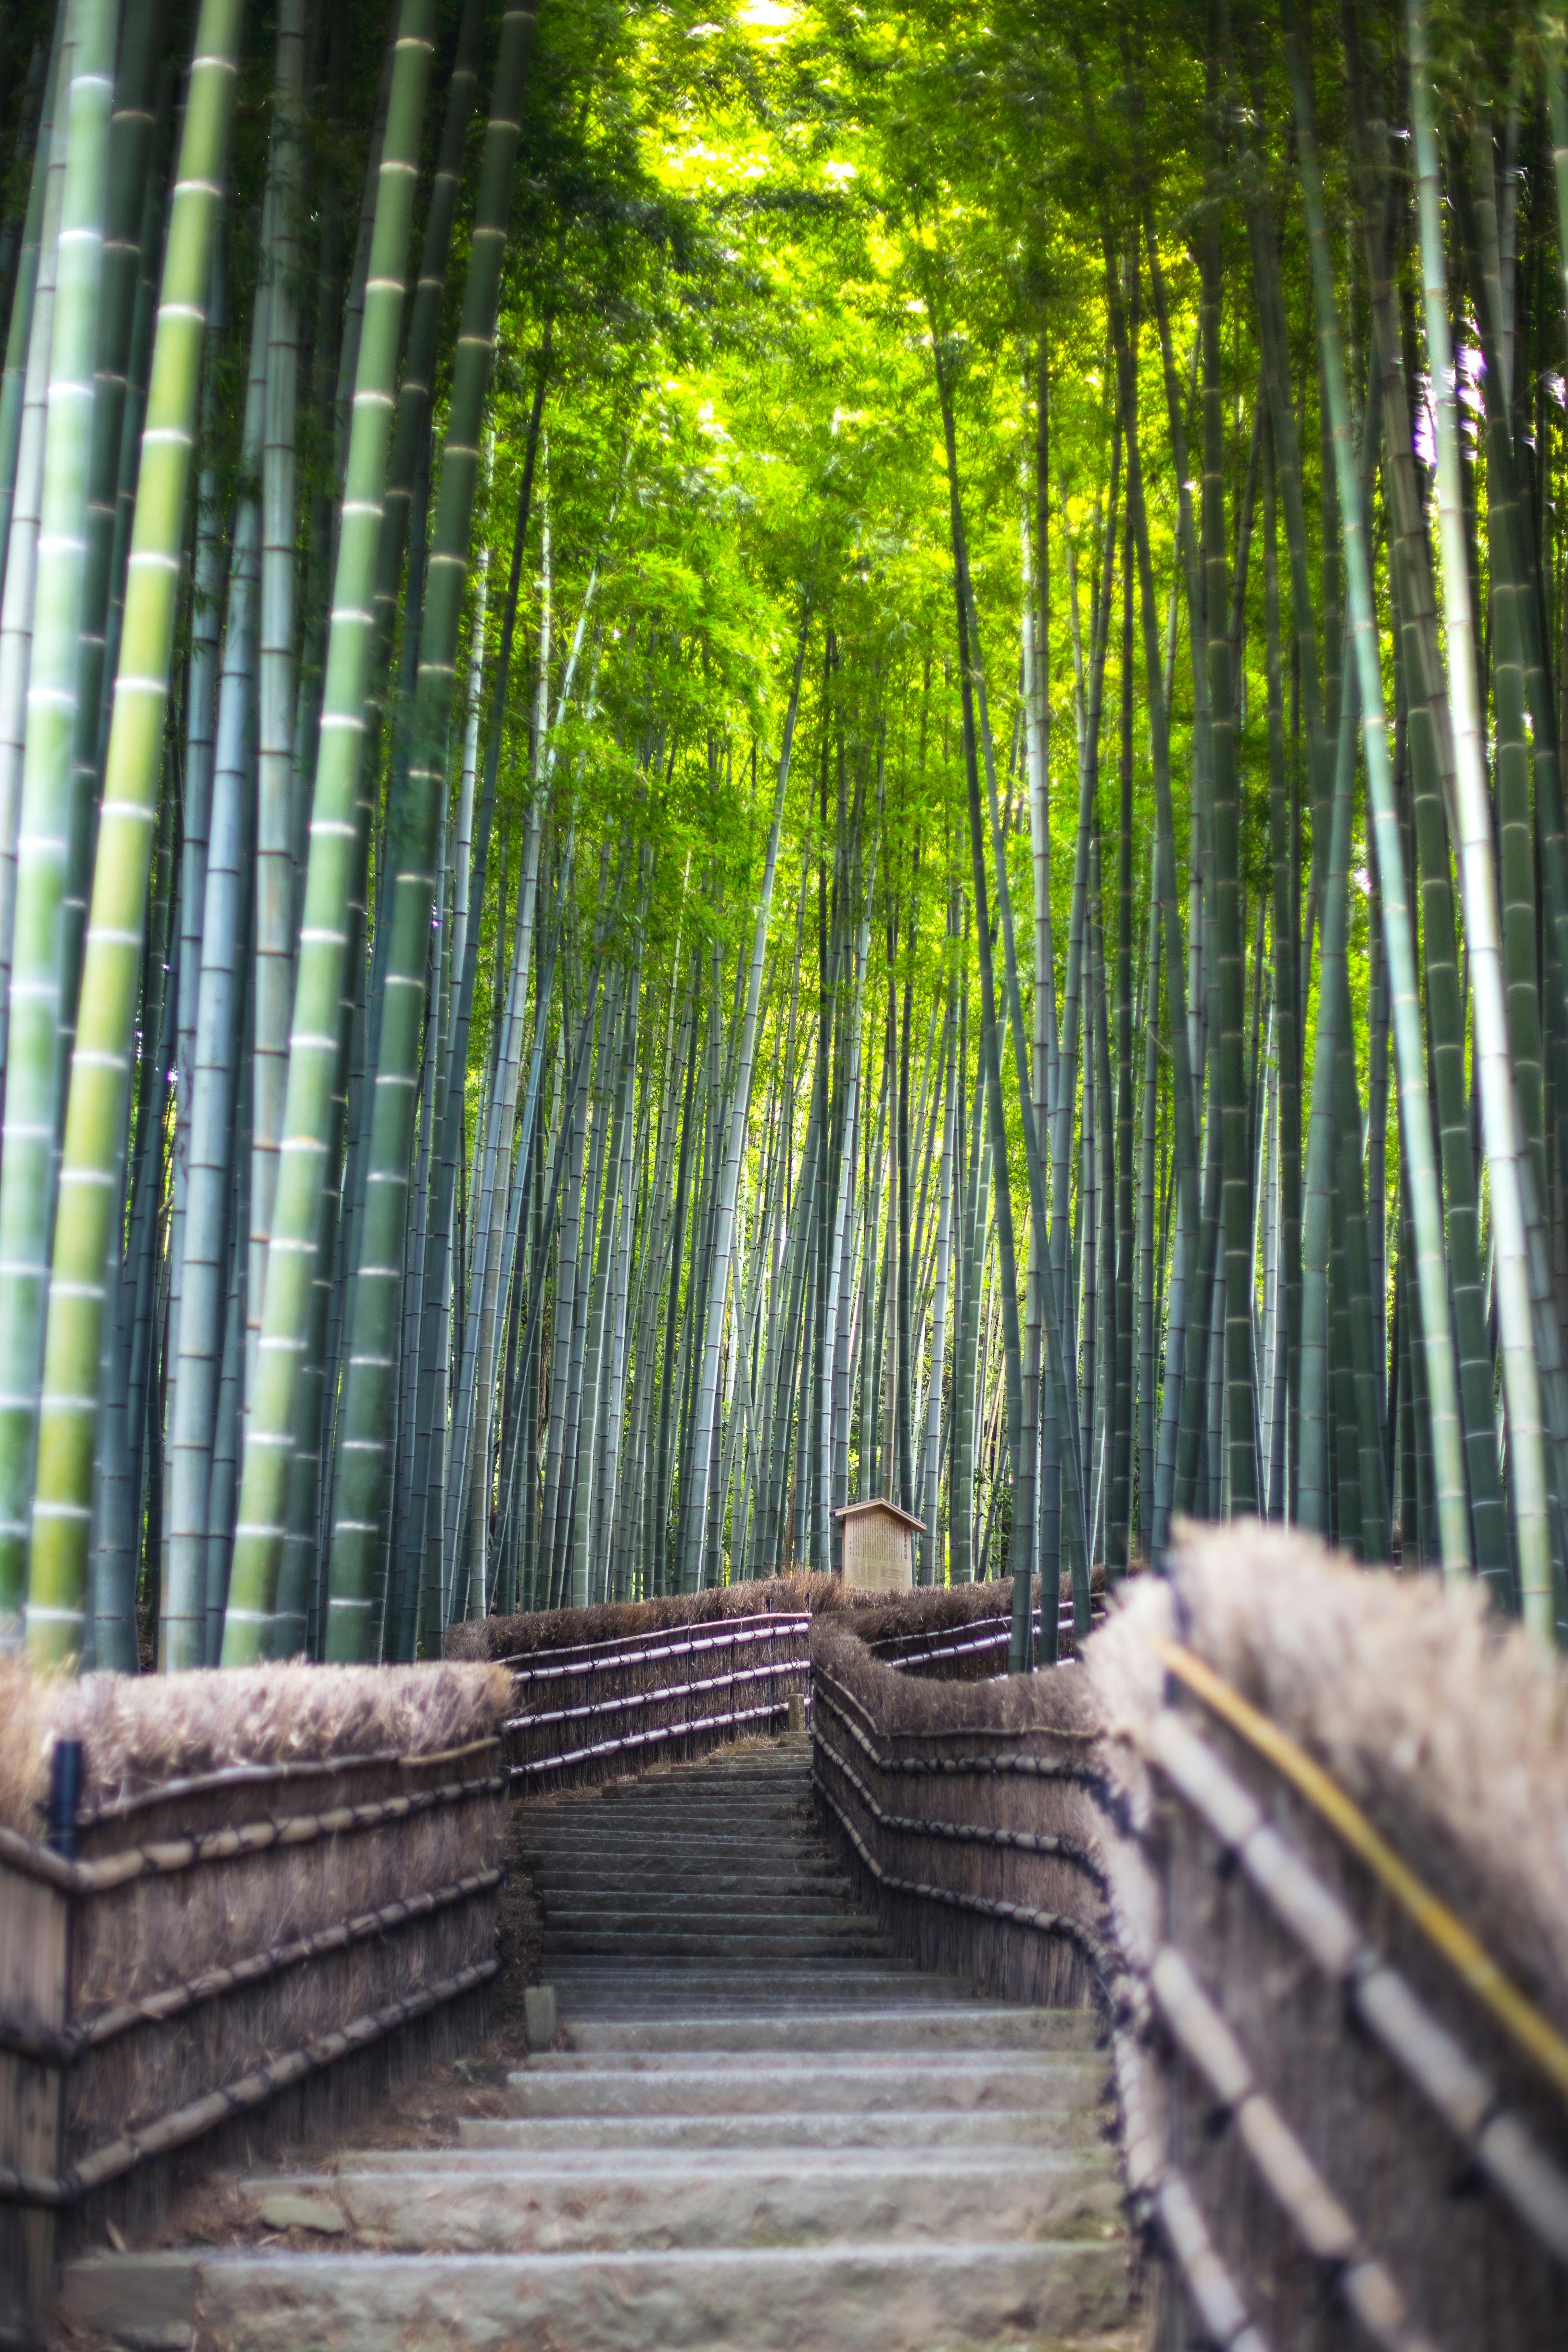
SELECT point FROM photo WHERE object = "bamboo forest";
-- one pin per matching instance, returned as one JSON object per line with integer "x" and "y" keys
{"x": 762, "y": 752}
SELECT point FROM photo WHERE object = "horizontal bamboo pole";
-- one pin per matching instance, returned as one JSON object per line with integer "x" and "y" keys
{"x": 650, "y": 1738}
{"x": 1532, "y": 2032}
{"x": 599, "y": 1657}
{"x": 986, "y": 1907}
{"x": 31, "y": 1860}
{"x": 1038, "y": 1841}
{"x": 837, "y": 1701}
{"x": 170, "y": 1855}
{"x": 1461, "y": 2093}
{"x": 627, "y": 1702}
{"x": 119, "y": 2156}
{"x": 1224, "y": 2317}
{"x": 262, "y": 1776}
{"x": 64, "y": 2049}
{"x": 1326, "y": 2231}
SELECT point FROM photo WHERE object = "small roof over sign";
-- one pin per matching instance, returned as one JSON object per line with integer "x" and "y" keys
{"x": 880, "y": 1503}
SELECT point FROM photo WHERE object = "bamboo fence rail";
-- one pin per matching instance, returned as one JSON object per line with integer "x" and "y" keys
{"x": 601, "y": 1692}
{"x": 1342, "y": 2089}
{"x": 597, "y": 1709}
{"x": 982, "y": 1648}
{"x": 968, "y": 1815}
{"x": 147, "y": 1998}
{"x": 1343, "y": 2083}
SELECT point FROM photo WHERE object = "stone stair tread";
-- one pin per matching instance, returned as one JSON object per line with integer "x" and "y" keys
{"x": 912, "y": 2064}
{"x": 834, "y": 2090}
{"x": 876, "y": 2297}
{"x": 618, "y": 2207}
{"x": 766, "y": 2131}
{"x": 673, "y": 1944}
{"x": 520, "y": 2161}
{"x": 896, "y": 2127}
{"x": 731, "y": 1918}
{"x": 976, "y": 2027}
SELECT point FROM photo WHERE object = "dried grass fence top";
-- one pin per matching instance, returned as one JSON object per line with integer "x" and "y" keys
{"x": 1449, "y": 1730}
{"x": 928, "y": 1609}
{"x": 140, "y": 1734}
{"x": 901, "y": 1706}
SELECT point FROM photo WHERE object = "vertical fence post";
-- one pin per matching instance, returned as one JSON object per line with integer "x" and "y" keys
{"x": 35, "y": 2000}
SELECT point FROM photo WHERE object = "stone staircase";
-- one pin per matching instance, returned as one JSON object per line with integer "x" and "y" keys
{"x": 758, "y": 2128}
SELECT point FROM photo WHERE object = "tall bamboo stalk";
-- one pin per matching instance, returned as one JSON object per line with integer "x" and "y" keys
{"x": 336, "y": 855}
{"x": 94, "y": 1134}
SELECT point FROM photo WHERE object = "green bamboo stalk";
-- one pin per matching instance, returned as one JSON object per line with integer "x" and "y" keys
{"x": 734, "y": 1146}
{"x": 1511, "y": 779}
{"x": 1148, "y": 1332}
{"x": 33, "y": 1091}
{"x": 1264, "y": 241}
{"x": 990, "y": 1057}
{"x": 368, "y": 1411}
{"x": 415, "y": 386}
{"x": 1504, "y": 1138}
{"x": 1447, "y": 1440}
{"x": 198, "y": 1336}
{"x": 100, "y": 1075}
{"x": 278, "y": 295}
{"x": 1024, "y": 1469}
{"x": 1429, "y": 744}
{"x": 19, "y": 328}
{"x": 127, "y": 191}
{"x": 1185, "y": 1183}
{"x": 1119, "y": 1517}
{"x": 18, "y": 604}
{"x": 1285, "y": 892}
{"x": 1224, "y": 850}
{"x": 332, "y": 878}
{"x": 1314, "y": 1482}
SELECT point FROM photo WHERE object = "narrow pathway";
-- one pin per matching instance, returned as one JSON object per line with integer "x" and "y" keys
{"x": 758, "y": 2128}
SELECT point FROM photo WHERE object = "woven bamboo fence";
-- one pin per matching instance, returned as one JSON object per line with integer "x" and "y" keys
{"x": 967, "y": 1814}
{"x": 252, "y": 1946}
{"x": 1302, "y": 1832}
{"x": 975, "y": 1649}
{"x": 1337, "y": 1860}
{"x": 601, "y": 1693}
{"x": 597, "y": 1710}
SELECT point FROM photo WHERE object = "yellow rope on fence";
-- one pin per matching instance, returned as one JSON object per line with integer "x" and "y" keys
{"x": 1534, "y": 2033}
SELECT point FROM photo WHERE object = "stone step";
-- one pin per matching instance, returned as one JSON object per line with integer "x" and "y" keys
{"x": 776, "y": 1816}
{"x": 836, "y": 1973}
{"x": 873, "y": 2298}
{"x": 791, "y": 1799}
{"x": 617, "y": 2206}
{"x": 805, "y": 1896}
{"x": 520, "y": 2159}
{"x": 976, "y": 2027}
{"x": 961, "y": 2081}
{"x": 629, "y": 1851}
{"x": 653, "y": 1903}
{"x": 1076, "y": 2124}
{"x": 742, "y": 1949}
{"x": 705, "y": 1790}
{"x": 809, "y": 1985}
{"x": 610, "y": 2008}
{"x": 640, "y": 1866}
{"x": 691, "y": 1858}
{"x": 727, "y": 1833}
{"x": 768, "y": 2132}
{"x": 559, "y": 1880}
{"x": 666, "y": 1980}
{"x": 910, "y": 2061}
{"x": 626, "y": 2012}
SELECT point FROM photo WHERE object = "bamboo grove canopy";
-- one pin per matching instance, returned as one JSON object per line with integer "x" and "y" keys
{"x": 761, "y": 751}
